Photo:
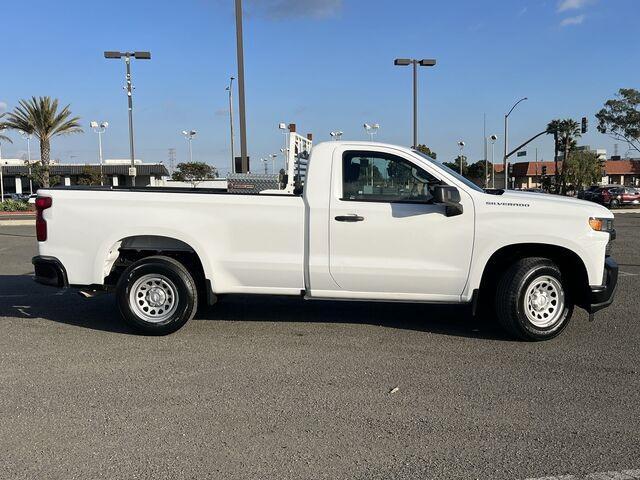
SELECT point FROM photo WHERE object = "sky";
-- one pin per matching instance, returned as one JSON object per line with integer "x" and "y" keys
{"x": 322, "y": 64}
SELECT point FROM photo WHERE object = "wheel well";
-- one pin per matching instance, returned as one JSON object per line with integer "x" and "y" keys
{"x": 570, "y": 264}
{"x": 132, "y": 249}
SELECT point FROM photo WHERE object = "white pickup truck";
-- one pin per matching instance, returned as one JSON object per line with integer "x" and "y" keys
{"x": 372, "y": 222}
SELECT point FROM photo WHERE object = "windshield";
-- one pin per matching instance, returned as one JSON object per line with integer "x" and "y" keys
{"x": 451, "y": 172}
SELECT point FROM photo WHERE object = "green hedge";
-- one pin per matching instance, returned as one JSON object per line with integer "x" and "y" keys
{"x": 13, "y": 206}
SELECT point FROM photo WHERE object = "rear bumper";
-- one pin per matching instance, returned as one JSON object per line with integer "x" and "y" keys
{"x": 50, "y": 271}
{"x": 602, "y": 296}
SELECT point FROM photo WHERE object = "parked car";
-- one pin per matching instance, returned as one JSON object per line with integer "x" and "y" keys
{"x": 588, "y": 193}
{"x": 614, "y": 197}
{"x": 361, "y": 221}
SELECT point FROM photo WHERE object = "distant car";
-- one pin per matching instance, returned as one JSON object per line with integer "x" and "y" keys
{"x": 16, "y": 197}
{"x": 588, "y": 193}
{"x": 614, "y": 197}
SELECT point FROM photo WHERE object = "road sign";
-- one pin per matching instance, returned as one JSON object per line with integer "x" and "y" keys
{"x": 132, "y": 171}
{"x": 522, "y": 153}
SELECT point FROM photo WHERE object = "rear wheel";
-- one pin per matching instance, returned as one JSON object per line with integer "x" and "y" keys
{"x": 532, "y": 302}
{"x": 615, "y": 203}
{"x": 157, "y": 295}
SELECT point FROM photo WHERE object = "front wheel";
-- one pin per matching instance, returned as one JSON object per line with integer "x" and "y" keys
{"x": 532, "y": 302}
{"x": 614, "y": 204}
{"x": 157, "y": 295}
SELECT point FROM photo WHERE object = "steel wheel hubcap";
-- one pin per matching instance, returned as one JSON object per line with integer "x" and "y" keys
{"x": 153, "y": 298}
{"x": 544, "y": 301}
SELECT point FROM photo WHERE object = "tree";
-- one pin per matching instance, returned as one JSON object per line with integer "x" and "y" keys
{"x": 565, "y": 132}
{"x": 194, "y": 173}
{"x": 40, "y": 117}
{"x": 582, "y": 169}
{"x": 427, "y": 151}
{"x": 620, "y": 117}
{"x": 553, "y": 128}
{"x": 89, "y": 177}
{"x": 38, "y": 173}
{"x": 455, "y": 165}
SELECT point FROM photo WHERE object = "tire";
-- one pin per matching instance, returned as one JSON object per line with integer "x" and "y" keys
{"x": 157, "y": 295}
{"x": 614, "y": 204}
{"x": 532, "y": 302}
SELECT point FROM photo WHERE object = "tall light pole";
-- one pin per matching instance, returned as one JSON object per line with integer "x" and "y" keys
{"x": 337, "y": 135}
{"x": 100, "y": 128}
{"x": 189, "y": 134}
{"x": 28, "y": 136}
{"x": 129, "y": 89}
{"x": 371, "y": 129}
{"x": 241, "y": 98}
{"x": 273, "y": 156}
{"x": 404, "y": 62}
{"x": 461, "y": 144}
{"x": 1, "y": 167}
{"x": 506, "y": 142}
{"x": 493, "y": 139}
{"x": 265, "y": 163}
{"x": 230, "y": 90}
{"x": 285, "y": 151}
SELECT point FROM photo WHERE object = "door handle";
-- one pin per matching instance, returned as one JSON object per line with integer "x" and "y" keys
{"x": 349, "y": 218}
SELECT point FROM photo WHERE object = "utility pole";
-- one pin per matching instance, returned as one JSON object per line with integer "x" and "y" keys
{"x": 241, "y": 97}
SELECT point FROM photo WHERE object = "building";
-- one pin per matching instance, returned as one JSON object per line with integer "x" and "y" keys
{"x": 531, "y": 174}
{"x": 15, "y": 173}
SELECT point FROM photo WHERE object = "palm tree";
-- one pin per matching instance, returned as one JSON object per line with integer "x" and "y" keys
{"x": 3, "y": 138}
{"x": 565, "y": 132}
{"x": 553, "y": 128}
{"x": 40, "y": 117}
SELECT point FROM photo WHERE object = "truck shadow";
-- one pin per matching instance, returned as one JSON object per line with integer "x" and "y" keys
{"x": 22, "y": 298}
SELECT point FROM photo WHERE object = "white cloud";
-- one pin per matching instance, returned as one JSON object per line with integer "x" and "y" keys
{"x": 564, "y": 5}
{"x": 279, "y": 9}
{"x": 577, "y": 20}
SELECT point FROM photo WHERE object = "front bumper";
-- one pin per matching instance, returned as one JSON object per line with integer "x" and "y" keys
{"x": 602, "y": 296}
{"x": 50, "y": 271}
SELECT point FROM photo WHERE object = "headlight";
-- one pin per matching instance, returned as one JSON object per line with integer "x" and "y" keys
{"x": 601, "y": 224}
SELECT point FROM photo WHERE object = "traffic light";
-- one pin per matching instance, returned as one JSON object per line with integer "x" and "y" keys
{"x": 544, "y": 170}
{"x": 585, "y": 125}
{"x": 510, "y": 170}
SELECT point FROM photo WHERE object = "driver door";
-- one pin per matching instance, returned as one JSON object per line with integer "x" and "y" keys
{"x": 387, "y": 237}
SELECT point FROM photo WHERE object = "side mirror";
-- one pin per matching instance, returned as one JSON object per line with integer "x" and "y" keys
{"x": 450, "y": 197}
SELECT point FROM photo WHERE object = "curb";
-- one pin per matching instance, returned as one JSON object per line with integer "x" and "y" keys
{"x": 18, "y": 222}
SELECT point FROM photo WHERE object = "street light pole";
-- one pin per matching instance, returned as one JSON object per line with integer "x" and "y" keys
{"x": 1, "y": 177}
{"x": 189, "y": 136}
{"x": 273, "y": 156}
{"x": 403, "y": 62}
{"x": 241, "y": 97}
{"x": 506, "y": 142}
{"x": 493, "y": 139}
{"x": 129, "y": 88}
{"x": 100, "y": 128}
{"x": 461, "y": 145}
{"x": 28, "y": 136}
{"x": 230, "y": 90}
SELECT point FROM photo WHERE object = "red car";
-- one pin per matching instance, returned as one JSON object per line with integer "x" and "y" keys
{"x": 614, "y": 197}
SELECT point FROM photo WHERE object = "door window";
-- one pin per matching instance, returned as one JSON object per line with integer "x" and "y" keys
{"x": 382, "y": 177}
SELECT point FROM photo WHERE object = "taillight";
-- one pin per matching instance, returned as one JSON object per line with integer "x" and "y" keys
{"x": 42, "y": 203}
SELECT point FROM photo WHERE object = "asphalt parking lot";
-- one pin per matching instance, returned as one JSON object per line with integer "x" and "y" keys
{"x": 280, "y": 388}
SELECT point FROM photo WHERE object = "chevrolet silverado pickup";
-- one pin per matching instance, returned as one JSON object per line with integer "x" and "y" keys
{"x": 364, "y": 221}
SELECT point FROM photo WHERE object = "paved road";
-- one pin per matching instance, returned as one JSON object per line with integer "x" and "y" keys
{"x": 278, "y": 388}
